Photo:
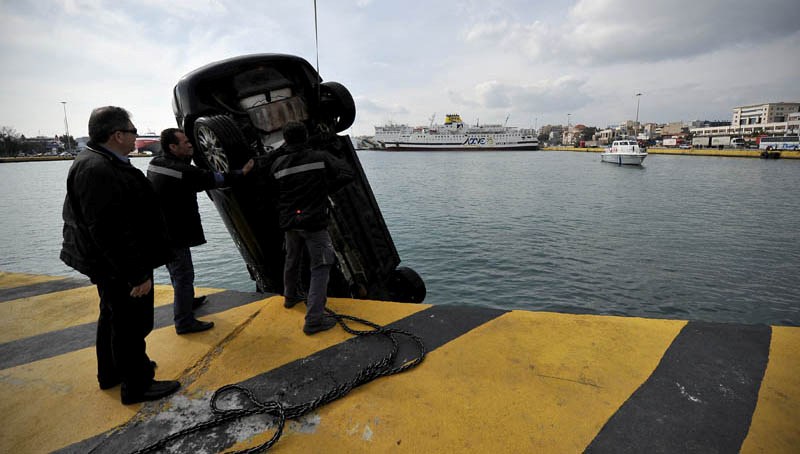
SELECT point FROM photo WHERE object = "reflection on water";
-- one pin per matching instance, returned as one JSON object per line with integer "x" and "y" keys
{"x": 682, "y": 237}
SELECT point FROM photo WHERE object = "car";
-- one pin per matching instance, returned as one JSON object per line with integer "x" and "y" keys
{"x": 234, "y": 110}
{"x": 685, "y": 146}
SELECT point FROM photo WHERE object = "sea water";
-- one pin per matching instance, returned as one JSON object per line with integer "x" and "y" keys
{"x": 685, "y": 237}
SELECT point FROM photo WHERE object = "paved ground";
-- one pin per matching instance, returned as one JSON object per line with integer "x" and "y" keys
{"x": 492, "y": 381}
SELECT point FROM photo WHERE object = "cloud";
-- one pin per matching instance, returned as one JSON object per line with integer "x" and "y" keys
{"x": 604, "y": 32}
{"x": 404, "y": 60}
{"x": 372, "y": 106}
{"x": 561, "y": 95}
{"x": 613, "y": 31}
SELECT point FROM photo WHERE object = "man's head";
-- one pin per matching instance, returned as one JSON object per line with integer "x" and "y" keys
{"x": 174, "y": 140}
{"x": 295, "y": 133}
{"x": 111, "y": 127}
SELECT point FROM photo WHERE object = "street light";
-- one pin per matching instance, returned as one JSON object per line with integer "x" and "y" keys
{"x": 66, "y": 125}
{"x": 636, "y": 127}
{"x": 567, "y": 135}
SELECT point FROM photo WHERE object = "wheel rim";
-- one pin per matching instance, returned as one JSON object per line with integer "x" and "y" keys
{"x": 209, "y": 144}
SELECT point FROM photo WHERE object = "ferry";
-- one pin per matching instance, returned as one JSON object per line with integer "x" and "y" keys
{"x": 148, "y": 142}
{"x": 454, "y": 135}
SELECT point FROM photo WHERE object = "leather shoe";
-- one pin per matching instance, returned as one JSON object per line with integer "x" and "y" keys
{"x": 325, "y": 324}
{"x": 199, "y": 301}
{"x": 289, "y": 303}
{"x": 157, "y": 390}
{"x": 195, "y": 326}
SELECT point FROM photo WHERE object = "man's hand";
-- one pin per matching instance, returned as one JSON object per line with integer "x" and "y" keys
{"x": 248, "y": 167}
{"x": 142, "y": 289}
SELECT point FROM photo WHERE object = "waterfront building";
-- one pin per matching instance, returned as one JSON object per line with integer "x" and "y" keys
{"x": 771, "y": 118}
{"x": 763, "y": 113}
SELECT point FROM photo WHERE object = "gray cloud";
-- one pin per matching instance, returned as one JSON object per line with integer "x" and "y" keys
{"x": 613, "y": 31}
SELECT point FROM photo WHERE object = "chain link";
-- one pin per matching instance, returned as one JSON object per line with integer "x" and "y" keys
{"x": 379, "y": 368}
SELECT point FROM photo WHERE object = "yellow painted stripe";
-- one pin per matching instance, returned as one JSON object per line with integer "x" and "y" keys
{"x": 14, "y": 280}
{"x": 776, "y": 421}
{"x": 525, "y": 382}
{"x": 53, "y": 403}
{"x": 49, "y": 392}
{"x": 39, "y": 314}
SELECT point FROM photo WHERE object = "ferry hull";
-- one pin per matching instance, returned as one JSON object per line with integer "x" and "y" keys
{"x": 458, "y": 147}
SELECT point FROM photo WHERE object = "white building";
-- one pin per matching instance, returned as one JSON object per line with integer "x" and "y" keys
{"x": 763, "y": 113}
{"x": 772, "y": 119}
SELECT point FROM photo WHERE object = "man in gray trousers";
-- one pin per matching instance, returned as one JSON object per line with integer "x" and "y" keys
{"x": 303, "y": 179}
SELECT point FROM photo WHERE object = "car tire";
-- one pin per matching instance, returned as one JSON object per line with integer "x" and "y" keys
{"x": 220, "y": 144}
{"x": 406, "y": 286}
{"x": 337, "y": 106}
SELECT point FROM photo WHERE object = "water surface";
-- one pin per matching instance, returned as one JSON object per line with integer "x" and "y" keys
{"x": 687, "y": 237}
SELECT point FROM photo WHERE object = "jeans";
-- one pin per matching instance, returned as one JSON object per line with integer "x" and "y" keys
{"x": 321, "y": 258}
{"x": 181, "y": 273}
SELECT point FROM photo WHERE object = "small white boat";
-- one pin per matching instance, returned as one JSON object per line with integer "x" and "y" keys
{"x": 624, "y": 152}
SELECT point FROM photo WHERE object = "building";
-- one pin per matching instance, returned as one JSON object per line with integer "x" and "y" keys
{"x": 772, "y": 119}
{"x": 761, "y": 114}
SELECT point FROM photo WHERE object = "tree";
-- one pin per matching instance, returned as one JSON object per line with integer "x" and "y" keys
{"x": 9, "y": 141}
{"x": 543, "y": 138}
{"x": 68, "y": 142}
{"x": 588, "y": 133}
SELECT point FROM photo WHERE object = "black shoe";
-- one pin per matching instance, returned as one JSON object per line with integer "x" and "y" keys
{"x": 195, "y": 326}
{"x": 112, "y": 382}
{"x": 199, "y": 301}
{"x": 325, "y": 324}
{"x": 157, "y": 390}
{"x": 289, "y": 303}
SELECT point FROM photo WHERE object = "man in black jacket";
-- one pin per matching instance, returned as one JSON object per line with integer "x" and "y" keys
{"x": 304, "y": 178}
{"x": 177, "y": 182}
{"x": 114, "y": 233}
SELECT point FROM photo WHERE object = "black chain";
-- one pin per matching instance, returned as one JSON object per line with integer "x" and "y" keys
{"x": 379, "y": 368}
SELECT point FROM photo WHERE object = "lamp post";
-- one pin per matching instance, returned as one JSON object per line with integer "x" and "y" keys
{"x": 567, "y": 135}
{"x": 66, "y": 126}
{"x": 636, "y": 127}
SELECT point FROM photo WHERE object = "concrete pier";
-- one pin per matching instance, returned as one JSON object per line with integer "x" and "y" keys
{"x": 492, "y": 380}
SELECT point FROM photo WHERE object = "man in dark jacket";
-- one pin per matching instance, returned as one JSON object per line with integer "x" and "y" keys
{"x": 114, "y": 233}
{"x": 304, "y": 178}
{"x": 177, "y": 182}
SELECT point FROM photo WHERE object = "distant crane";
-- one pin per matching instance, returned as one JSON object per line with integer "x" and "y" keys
{"x": 506, "y": 123}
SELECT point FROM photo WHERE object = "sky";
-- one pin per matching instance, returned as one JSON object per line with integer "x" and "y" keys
{"x": 523, "y": 63}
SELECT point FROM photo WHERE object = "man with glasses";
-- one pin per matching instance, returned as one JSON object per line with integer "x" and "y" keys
{"x": 114, "y": 233}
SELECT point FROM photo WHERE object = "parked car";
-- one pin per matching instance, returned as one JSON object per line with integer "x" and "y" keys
{"x": 685, "y": 146}
{"x": 234, "y": 110}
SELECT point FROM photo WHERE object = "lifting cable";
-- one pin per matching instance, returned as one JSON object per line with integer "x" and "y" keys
{"x": 316, "y": 47}
{"x": 380, "y": 368}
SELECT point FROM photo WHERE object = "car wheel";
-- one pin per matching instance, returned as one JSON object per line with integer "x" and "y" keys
{"x": 406, "y": 286}
{"x": 337, "y": 106}
{"x": 220, "y": 143}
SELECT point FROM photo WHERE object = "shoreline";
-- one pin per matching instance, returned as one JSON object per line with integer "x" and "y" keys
{"x": 729, "y": 152}
{"x": 6, "y": 159}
